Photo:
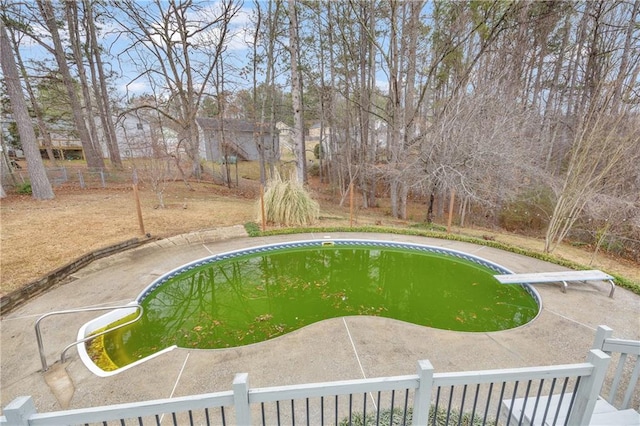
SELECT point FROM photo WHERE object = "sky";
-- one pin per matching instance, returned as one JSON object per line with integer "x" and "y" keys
{"x": 115, "y": 41}
{"x": 236, "y": 47}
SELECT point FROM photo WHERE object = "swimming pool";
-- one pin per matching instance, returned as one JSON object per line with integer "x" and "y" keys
{"x": 256, "y": 294}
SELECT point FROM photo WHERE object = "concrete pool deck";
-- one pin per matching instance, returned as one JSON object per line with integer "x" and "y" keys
{"x": 335, "y": 349}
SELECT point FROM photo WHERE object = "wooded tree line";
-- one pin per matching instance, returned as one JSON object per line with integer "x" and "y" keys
{"x": 527, "y": 111}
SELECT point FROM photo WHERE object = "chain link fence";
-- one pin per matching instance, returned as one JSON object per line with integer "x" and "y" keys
{"x": 83, "y": 178}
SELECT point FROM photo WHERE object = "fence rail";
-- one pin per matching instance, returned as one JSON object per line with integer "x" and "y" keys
{"x": 83, "y": 178}
{"x": 626, "y": 358}
{"x": 423, "y": 398}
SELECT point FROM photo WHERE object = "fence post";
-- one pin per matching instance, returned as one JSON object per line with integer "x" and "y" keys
{"x": 241, "y": 399}
{"x": 19, "y": 410}
{"x": 602, "y": 333}
{"x": 422, "y": 400}
{"x": 137, "y": 198}
{"x": 104, "y": 183}
{"x": 589, "y": 389}
{"x": 81, "y": 179}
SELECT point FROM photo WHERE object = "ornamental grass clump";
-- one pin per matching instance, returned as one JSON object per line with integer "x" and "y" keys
{"x": 287, "y": 203}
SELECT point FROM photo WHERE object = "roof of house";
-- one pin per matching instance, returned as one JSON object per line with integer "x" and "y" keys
{"x": 232, "y": 125}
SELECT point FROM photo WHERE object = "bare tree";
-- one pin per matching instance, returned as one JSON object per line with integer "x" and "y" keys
{"x": 600, "y": 146}
{"x": 157, "y": 171}
{"x": 180, "y": 53}
{"x": 613, "y": 215}
{"x": 40, "y": 186}
{"x": 626, "y": 68}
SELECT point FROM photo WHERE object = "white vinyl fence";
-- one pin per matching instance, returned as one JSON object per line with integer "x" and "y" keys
{"x": 464, "y": 398}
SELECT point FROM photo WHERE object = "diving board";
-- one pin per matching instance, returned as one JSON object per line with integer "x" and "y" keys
{"x": 559, "y": 276}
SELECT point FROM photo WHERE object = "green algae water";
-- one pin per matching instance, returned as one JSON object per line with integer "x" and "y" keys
{"x": 256, "y": 297}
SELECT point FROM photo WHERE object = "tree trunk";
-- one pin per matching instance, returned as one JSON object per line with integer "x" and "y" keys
{"x": 37, "y": 111}
{"x": 100, "y": 88}
{"x": 5, "y": 166}
{"x": 333, "y": 171}
{"x": 258, "y": 134}
{"x": 71, "y": 9}
{"x": 394, "y": 137}
{"x": 93, "y": 157}
{"x": 40, "y": 185}
{"x": 556, "y": 96}
{"x": 409, "y": 109}
{"x": 296, "y": 95}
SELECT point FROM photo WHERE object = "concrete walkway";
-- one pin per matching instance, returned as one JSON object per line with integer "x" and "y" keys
{"x": 335, "y": 349}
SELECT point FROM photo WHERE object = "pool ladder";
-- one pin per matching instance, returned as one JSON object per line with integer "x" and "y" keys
{"x": 43, "y": 358}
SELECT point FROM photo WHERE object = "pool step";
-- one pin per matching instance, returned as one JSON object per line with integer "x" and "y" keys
{"x": 60, "y": 384}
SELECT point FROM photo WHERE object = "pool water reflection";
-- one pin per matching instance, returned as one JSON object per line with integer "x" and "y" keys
{"x": 253, "y": 296}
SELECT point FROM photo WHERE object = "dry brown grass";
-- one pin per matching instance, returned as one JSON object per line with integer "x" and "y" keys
{"x": 39, "y": 236}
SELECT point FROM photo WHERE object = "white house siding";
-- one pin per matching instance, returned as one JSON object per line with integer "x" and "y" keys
{"x": 134, "y": 137}
{"x": 239, "y": 138}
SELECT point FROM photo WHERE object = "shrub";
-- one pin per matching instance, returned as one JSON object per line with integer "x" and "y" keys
{"x": 252, "y": 229}
{"x": 397, "y": 417}
{"x": 288, "y": 203}
{"x": 24, "y": 188}
{"x": 428, "y": 226}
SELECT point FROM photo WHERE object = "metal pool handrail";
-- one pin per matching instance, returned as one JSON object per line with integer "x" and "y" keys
{"x": 43, "y": 358}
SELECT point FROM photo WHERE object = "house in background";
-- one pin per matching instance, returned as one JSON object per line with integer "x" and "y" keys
{"x": 134, "y": 134}
{"x": 286, "y": 137}
{"x": 314, "y": 132}
{"x": 64, "y": 143}
{"x": 236, "y": 139}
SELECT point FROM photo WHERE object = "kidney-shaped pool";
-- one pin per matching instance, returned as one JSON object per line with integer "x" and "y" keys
{"x": 252, "y": 295}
